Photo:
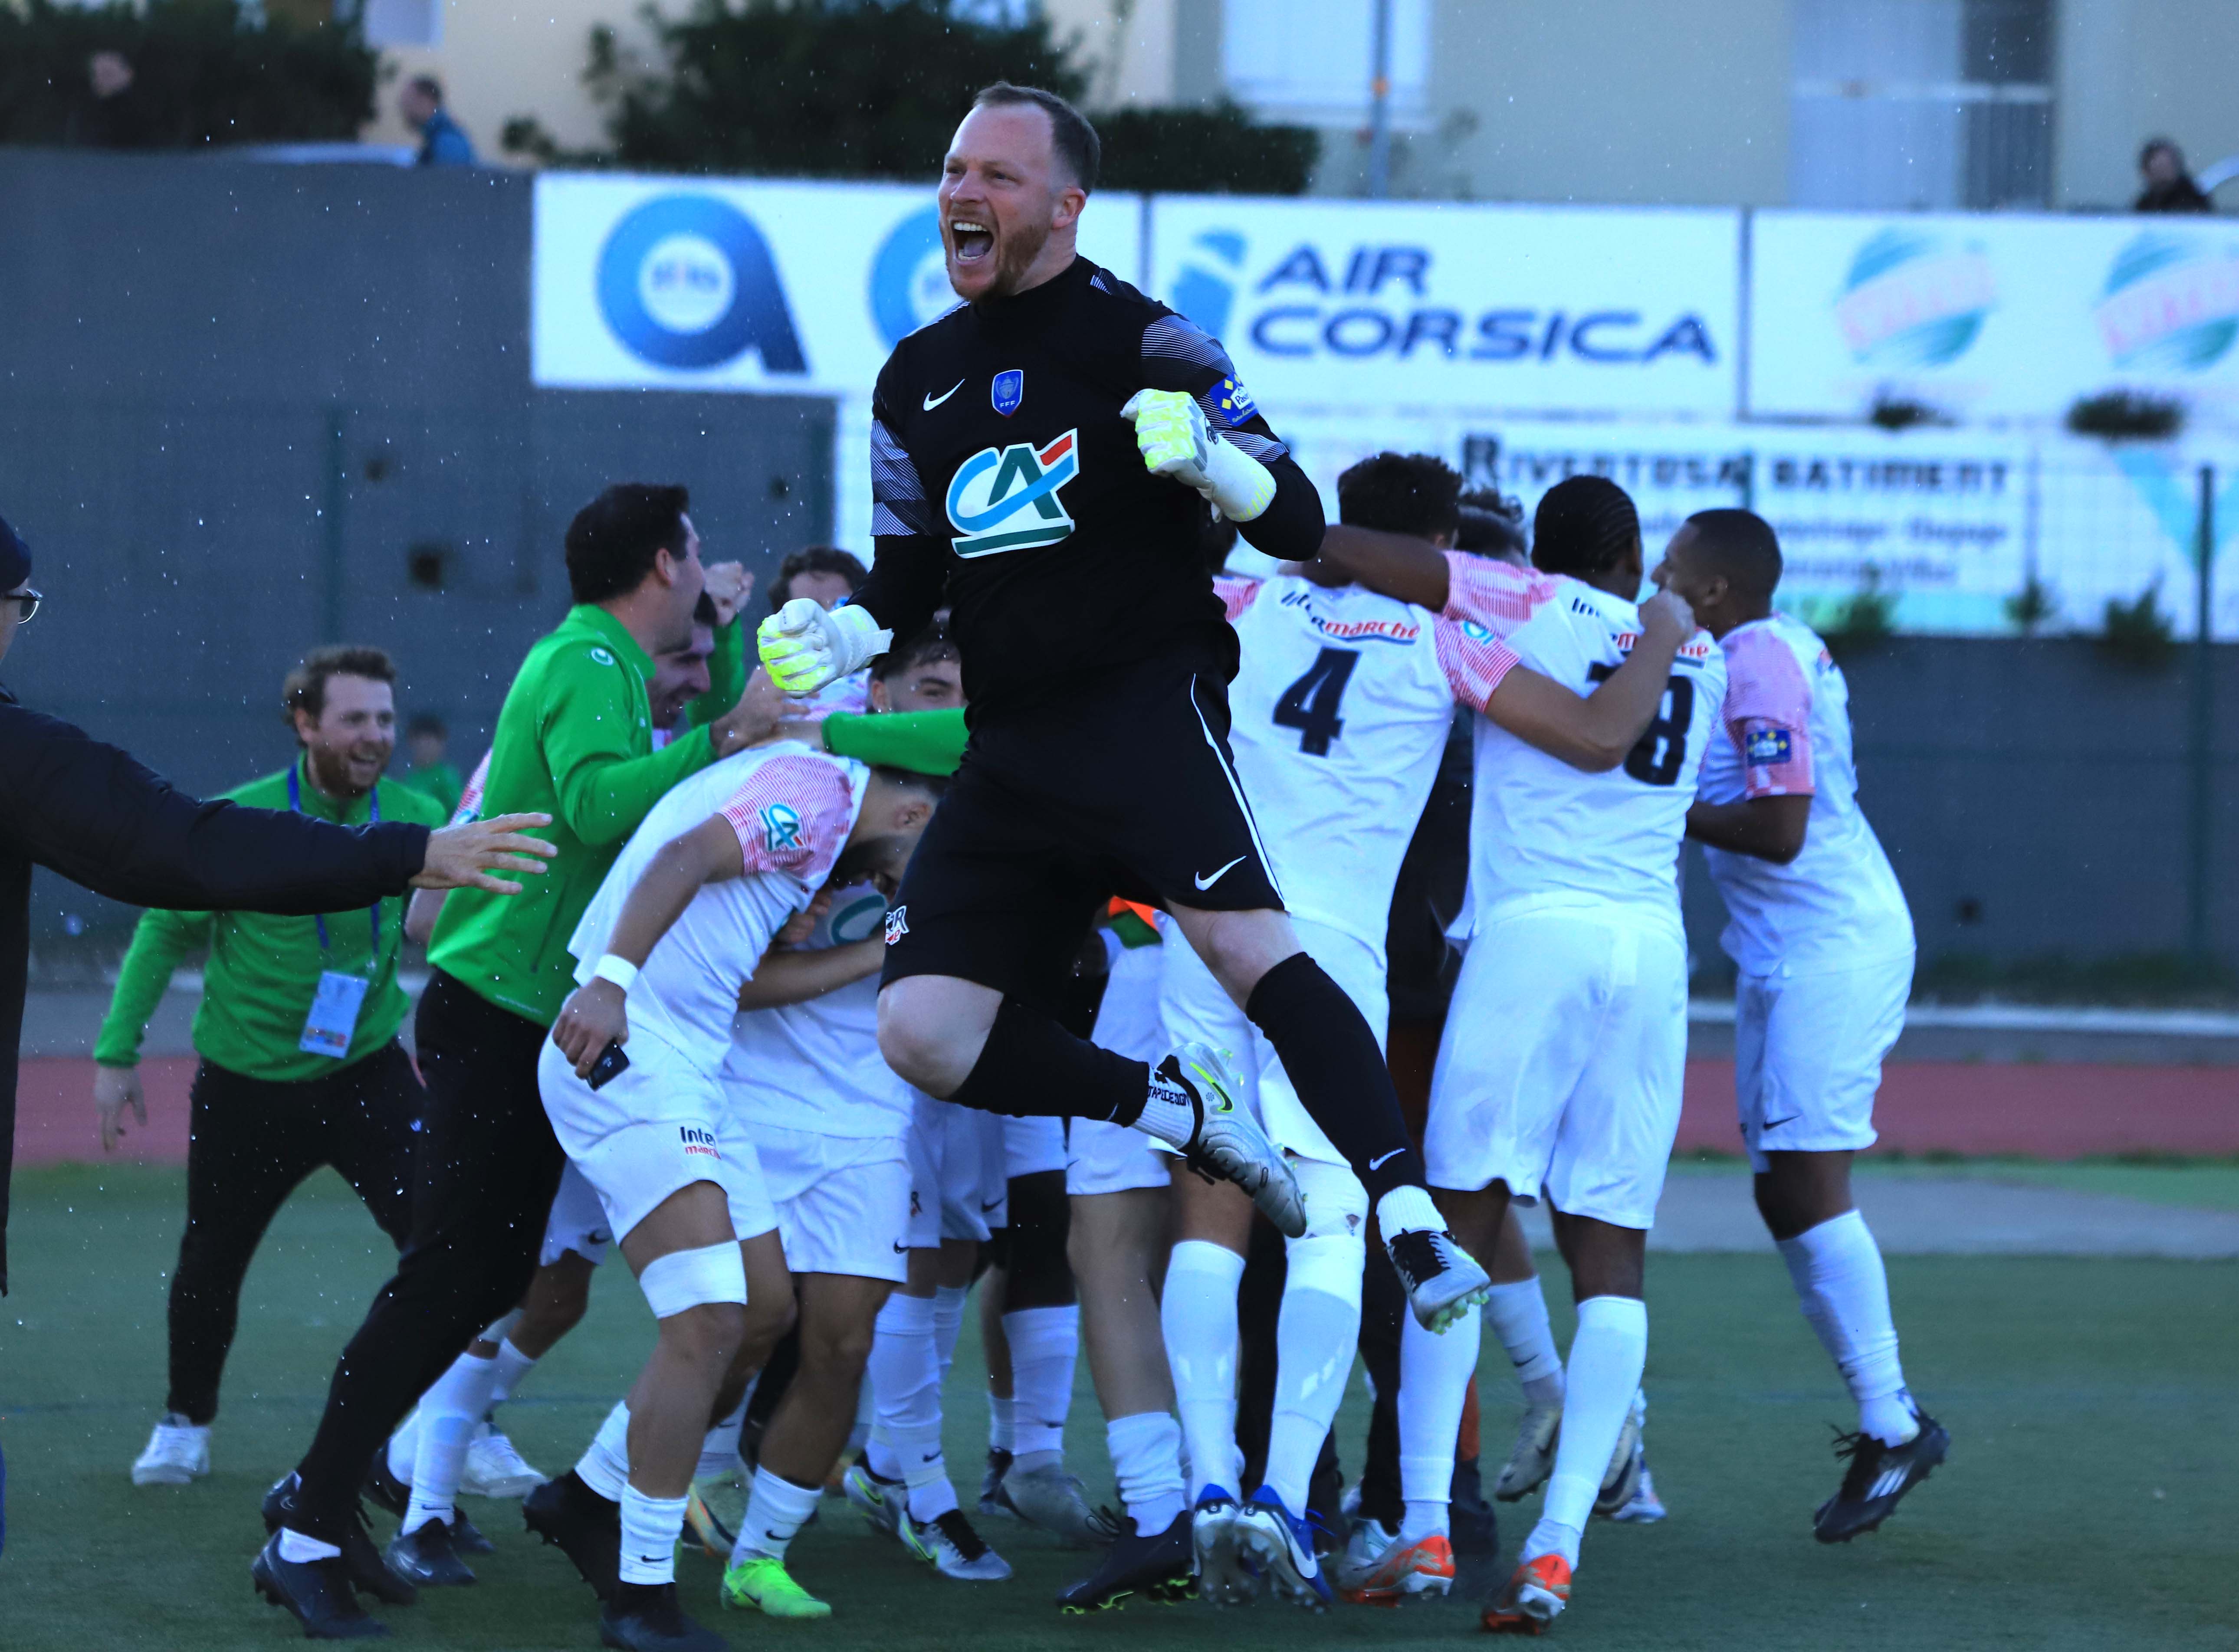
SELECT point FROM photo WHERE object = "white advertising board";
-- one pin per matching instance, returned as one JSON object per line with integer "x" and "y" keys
{"x": 1991, "y": 315}
{"x": 1338, "y": 305}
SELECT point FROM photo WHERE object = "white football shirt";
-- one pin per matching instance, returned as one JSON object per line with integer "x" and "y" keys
{"x": 1786, "y": 728}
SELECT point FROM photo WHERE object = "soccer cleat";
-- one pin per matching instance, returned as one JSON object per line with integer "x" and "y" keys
{"x": 1159, "y": 1568}
{"x": 1227, "y": 1139}
{"x": 495, "y": 1470}
{"x": 318, "y": 1592}
{"x": 1370, "y": 1541}
{"x": 1280, "y": 1545}
{"x": 1221, "y": 1575}
{"x": 1424, "y": 1567}
{"x": 947, "y": 1544}
{"x": 369, "y": 1573}
{"x": 1533, "y": 1458}
{"x": 1646, "y": 1508}
{"x": 1443, "y": 1280}
{"x": 885, "y": 1503}
{"x": 1879, "y": 1476}
{"x": 384, "y": 1489}
{"x": 760, "y": 1584}
{"x": 429, "y": 1554}
{"x": 1534, "y": 1597}
{"x": 583, "y": 1525}
{"x": 1621, "y": 1480}
{"x": 178, "y": 1453}
{"x": 991, "y": 1485}
{"x": 1043, "y": 1494}
{"x": 713, "y": 1512}
{"x": 645, "y": 1618}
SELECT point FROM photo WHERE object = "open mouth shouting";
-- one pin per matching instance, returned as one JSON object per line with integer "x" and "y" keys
{"x": 973, "y": 238}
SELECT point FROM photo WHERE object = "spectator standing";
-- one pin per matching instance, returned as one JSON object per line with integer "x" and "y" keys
{"x": 428, "y": 753}
{"x": 2169, "y": 186}
{"x": 300, "y": 1066}
{"x": 444, "y": 142}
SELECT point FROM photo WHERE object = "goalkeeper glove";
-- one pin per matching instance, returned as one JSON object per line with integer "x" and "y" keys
{"x": 1171, "y": 433}
{"x": 803, "y": 646}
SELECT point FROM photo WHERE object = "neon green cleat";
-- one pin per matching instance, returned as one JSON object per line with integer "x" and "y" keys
{"x": 760, "y": 1582}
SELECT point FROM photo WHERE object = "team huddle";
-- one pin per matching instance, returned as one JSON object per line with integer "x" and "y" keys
{"x": 1038, "y": 885}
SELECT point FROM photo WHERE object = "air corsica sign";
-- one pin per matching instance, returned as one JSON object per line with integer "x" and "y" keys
{"x": 1335, "y": 304}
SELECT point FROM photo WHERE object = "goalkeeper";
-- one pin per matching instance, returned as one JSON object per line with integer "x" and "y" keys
{"x": 1042, "y": 459}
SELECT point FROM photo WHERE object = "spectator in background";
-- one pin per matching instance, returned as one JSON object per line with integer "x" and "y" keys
{"x": 442, "y": 141}
{"x": 829, "y": 575}
{"x": 2169, "y": 182}
{"x": 427, "y": 751}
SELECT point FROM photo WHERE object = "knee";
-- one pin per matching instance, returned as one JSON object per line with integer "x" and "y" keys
{"x": 768, "y": 1315}
{"x": 922, "y": 1053}
{"x": 837, "y": 1353}
{"x": 707, "y": 1336}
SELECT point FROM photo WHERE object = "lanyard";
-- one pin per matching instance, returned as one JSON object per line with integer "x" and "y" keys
{"x": 373, "y": 912}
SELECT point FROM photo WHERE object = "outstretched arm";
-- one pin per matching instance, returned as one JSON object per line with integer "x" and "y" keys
{"x": 789, "y": 976}
{"x": 1594, "y": 732}
{"x": 1395, "y": 565}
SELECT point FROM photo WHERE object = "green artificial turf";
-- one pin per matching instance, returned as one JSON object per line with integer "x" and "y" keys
{"x": 2084, "y": 1504}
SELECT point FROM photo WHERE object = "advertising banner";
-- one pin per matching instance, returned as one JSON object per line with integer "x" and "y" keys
{"x": 1337, "y": 304}
{"x": 725, "y": 285}
{"x": 2001, "y": 316}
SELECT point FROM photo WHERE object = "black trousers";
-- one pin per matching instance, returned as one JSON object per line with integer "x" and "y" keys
{"x": 488, "y": 1167}
{"x": 251, "y": 1144}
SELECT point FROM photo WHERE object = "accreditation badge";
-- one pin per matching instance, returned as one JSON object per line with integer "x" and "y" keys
{"x": 332, "y": 1022}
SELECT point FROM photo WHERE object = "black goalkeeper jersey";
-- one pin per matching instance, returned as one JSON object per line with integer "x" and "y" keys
{"x": 1005, "y": 483}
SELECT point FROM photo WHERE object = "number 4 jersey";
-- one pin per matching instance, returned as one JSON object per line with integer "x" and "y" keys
{"x": 1339, "y": 715}
{"x": 1541, "y": 830}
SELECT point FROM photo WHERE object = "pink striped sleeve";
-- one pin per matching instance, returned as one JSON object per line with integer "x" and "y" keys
{"x": 1768, "y": 712}
{"x": 470, "y": 799}
{"x": 1499, "y": 596}
{"x": 1473, "y": 660}
{"x": 792, "y": 815}
{"x": 1235, "y": 595}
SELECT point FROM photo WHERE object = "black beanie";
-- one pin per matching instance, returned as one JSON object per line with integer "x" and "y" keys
{"x": 15, "y": 559}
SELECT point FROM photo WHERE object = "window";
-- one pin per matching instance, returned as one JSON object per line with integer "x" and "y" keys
{"x": 1921, "y": 104}
{"x": 1311, "y": 60}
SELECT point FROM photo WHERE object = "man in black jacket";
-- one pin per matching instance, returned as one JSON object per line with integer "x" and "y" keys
{"x": 92, "y": 813}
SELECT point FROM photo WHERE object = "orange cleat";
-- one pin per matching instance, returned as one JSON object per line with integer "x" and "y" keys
{"x": 1424, "y": 1567}
{"x": 1534, "y": 1598}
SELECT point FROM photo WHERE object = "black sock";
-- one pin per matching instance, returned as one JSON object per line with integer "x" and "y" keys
{"x": 1338, "y": 1072}
{"x": 1030, "y": 1067}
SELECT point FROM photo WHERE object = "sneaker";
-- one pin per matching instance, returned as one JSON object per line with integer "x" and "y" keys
{"x": 495, "y": 1470}
{"x": 1043, "y": 1494}
{"x": 428, "y": 1556}
{"x": 1646, "y": 1508}
{"x": 947, "y": 1544}
{"x": 1227, "y": 1140}
{"x": 991, "y": 1486}
{"x": 1370, "y": 1541}
{"x": 885, "y": 1503}
{"x": 1281, "y": 1545}
{"x": 646, "y": 1617}
{"x": 1443, "y": 1280}
{"x": 1534, "y": 1597}
{"x": 1160, "y": 1567}
{"x": 1879, "y": 1476}
{"x": 760, "y": 1584}
{"x": 318, "y": 1592}
{"x": 583, "y": 1525}
{"x": 1533, "y": 1458}
{"x": 178, "y": 1453}
{"x": 1424, "y": 1567}
{"x": 1621, "y": 1480}
{"x": 712, "y": 1513}
{"x": 1221, "y": 1577}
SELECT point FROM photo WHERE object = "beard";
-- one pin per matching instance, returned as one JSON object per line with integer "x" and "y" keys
{"x": 1015, "y": 252}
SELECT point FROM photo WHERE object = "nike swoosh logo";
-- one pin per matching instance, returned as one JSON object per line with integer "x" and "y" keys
{"x": 1379, "y": 1163}
{"x": 899, "y": 1249}
{"x": 933, "y": 401}
{"x": 984, "y": 1209}
{"x": 1775, "y": 1123}
{"x": 1204, "y": 883}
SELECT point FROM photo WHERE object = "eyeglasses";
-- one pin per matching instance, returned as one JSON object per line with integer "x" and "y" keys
{"x": 27, "y": 604}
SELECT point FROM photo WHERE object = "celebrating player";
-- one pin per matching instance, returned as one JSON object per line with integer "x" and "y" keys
{"x": 1820, "y": 933}
{"x": 1039, "y": 456}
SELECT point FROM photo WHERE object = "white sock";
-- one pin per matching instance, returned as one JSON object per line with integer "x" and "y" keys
{"x": 948, "y": 1322}
{"x": 719, "y": 1452}
{"x": 1316, "y": 1335}
{"x": 1434, "y": 1374}
{"x": 905, "y": 1372}
{"x": 1607, "y": 1354}
{"x": 403, "y": 1445}
{"x": 1843, "y": 1290}
{"x": 512, "y": 1366}
{"x": 1197, "y": 1311}
{"x": 604, "y": 1465}
{"x": 1002, "y": 1426}
{"x": 298, "y": 1550}
{"x": 1409, "y": 1210}
{"x": 1518, "y": 1313}
{"x": 449, "y": 1412}
{"x": 775, "y": 1510}
{"x": 1146, "y": 1462}
{"x": 1045, "y": 1343}
{"x": 650, "y": 1529}
{"x": 1167, "y": 1113}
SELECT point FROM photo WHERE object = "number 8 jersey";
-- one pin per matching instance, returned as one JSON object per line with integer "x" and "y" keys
{"x": 1339, "y": 715}
{"x": 1544, "y": 833}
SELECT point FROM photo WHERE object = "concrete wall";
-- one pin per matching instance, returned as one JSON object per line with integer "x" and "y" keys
{"x": 2132, "y": 69}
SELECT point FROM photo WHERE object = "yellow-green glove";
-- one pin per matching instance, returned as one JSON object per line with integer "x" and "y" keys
{"x": 803, "y": 646}
{"x": 1171, "y": 434}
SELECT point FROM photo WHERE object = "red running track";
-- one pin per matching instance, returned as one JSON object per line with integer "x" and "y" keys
{"x": 2048, "y": 1111}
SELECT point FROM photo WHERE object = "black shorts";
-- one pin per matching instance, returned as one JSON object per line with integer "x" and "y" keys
{"x": 1123, "y": 786}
